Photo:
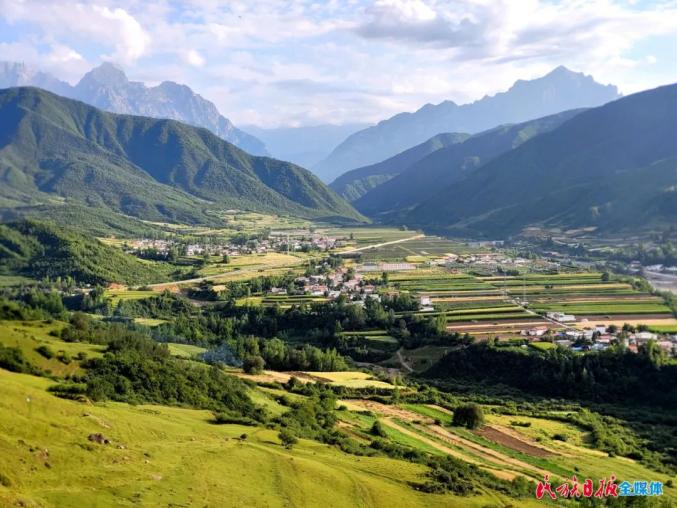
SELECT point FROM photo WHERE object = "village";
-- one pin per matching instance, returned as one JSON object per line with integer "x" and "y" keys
{"x": 273, "y": 241}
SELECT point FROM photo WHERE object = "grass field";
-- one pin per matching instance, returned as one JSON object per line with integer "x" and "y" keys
{"x": 162, "y": 456}
{"x": 29, "y": 336}
{"x": 185, "y": 350}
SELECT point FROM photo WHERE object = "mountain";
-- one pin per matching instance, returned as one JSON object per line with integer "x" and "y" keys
{"x": 305, "y": 146}
{"x": 41, "y": 250}
{"x": 560, "y": 90}
{"x": 19, "y": 74}
{"x": 613, "y": 167}
{"x": 358, "y": 182}
{"x": 108, "y": 88}
{"x": 427, "y": 176}
{"x": 54, "y": 149}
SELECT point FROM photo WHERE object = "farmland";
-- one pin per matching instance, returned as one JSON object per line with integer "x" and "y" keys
{"x": 529, "y": 449}
{"x": 502, "y": 305}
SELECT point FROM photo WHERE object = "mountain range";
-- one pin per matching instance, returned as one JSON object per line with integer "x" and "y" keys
{"x": 613, "y": 168}
{"x": 557, "y": 91}
{"x": 358, "y": 182}
{"x": 305, "y": 146}
{"x": 440, "y": 168}
{"x": 107, "y": 87}
{"x": 55, "y": 150}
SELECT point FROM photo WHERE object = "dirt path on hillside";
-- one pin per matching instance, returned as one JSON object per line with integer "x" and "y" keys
{"x": 404, "y": 364}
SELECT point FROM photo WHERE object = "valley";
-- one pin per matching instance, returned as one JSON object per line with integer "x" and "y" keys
{"x": 338, "y": 254}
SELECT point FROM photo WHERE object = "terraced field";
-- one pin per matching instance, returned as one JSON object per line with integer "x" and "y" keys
{"x": 504, "y": 305}
{"x": 500, "y": 447}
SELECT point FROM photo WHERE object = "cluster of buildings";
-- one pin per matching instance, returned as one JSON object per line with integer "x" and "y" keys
{"x": 336, "y": 284}
{"x": 276, "y": 241}
{"x": 600, "y": 337}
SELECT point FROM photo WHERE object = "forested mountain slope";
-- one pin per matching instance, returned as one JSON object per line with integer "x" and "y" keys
{"x": 162, "y": 170}
{"x": 428, "y": 176}
{"x": 612, "y": 167}
{"x": 356, "y": 183}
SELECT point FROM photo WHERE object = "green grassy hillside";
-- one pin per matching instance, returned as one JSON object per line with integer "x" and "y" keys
{"x": 160, "y": 455}
{"x": 52, "y": 147}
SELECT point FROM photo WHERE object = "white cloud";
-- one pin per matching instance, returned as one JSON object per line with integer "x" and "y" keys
{"x": 304, "y": 61}
{"x": 130, "y": 38}
{"x": 193, "y": 58}
{"x": 99, "y": 25}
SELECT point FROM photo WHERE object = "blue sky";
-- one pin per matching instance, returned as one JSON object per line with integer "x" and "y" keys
{"x": 302, "y": 62}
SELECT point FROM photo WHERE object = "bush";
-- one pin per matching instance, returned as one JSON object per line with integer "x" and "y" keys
{"x": 224, "y": 418}
{"x": 560, "y": 437}
{"x": 253, "y": 364}
{"x": 377, "y": 429}
{"x": 5, "y": 480}
{"x": 288, "y": 438}
{"x": 45, "y": 351}
{"x": 68, "y": 390}
{"x": 12, "y": 359}
{"x": 64, "y": 357}
{"x": 469, "y": 416}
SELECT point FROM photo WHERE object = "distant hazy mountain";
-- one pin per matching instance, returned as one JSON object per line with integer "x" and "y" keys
{"x": 19, "y": 74}
{"x": 108, "y": 88}
{"x": 55, "y": 150}
{"x": 358, "y": 182}
{"x": 613, "y": 167}
{"x": 427, "y": 176}
{"x": 559, "y": 90}
{"x": 305, "y": 146}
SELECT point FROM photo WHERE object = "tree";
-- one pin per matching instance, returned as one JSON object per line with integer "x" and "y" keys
{"x": 288, "y": 438}
{"x": 226, "y": 259}
{"x": 253, "y": 364}
{"x": 469, "y": 416}
{"x": 377, "y": 429}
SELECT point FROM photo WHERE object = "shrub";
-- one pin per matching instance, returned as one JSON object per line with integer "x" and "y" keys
{"x": 288, "y": 438}
{"x": 45, "y": 351}
{"x": 377, "y": 429}
{"x": 223, "y": 418}
{"x": 253, "y": 364}
{"x": 12, "y": 359}
{"x": 5, "y": 480}
{"x": 469, "y": 416}
{"x": 64, "y": 357}
{"x": 560, "y": 437}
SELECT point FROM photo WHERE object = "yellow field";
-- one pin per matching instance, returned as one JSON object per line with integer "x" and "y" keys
{"x": 149, "y": 321}
{"x": 620, "y": 322}
{"x": 350, "y": 379}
